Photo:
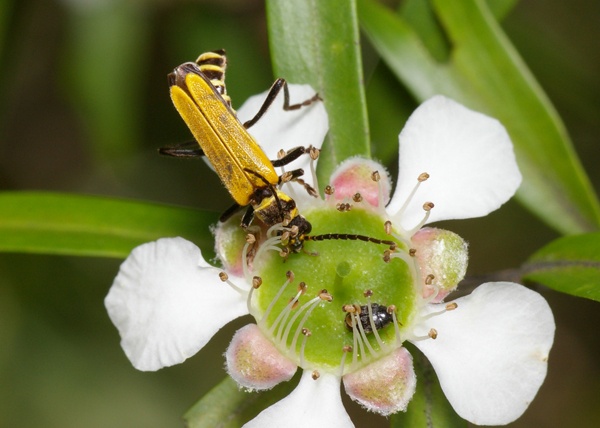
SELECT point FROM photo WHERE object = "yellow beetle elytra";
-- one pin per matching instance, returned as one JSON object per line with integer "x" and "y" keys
{"x": 199, "y": 95}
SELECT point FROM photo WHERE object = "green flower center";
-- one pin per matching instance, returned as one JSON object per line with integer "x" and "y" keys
{"x": 313, "y": 332}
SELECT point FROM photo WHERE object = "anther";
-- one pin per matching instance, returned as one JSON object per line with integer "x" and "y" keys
{"x": 387, "y": 256}
{"x": 347, "y": 348}
{"x": 256, "y": 282}
{"x": 223, "y": 276}
{"x": 375, "y": 176}
{"x": 250, "y": 238}
{"x": 315, "y": 375}
{"x": 314, "y": 153}
{"x": 329, "y": 190}
{"x": 324, "y": 295}
{"x": 289, "y": 275}
{"x": 423, "y": 177}
{"x": 349, "y": 309}
{"x": 357, "y": 197}
{"x": 387, "y": 226}
{"x": 285, "y": 252}
{"x": 451, "y": 306}
{"x": 429, "y": 279}
{"x": 428, "y": 206}
{"x": 412, "y": 252}
{"x": 280, "y": 154}
{"x": 306, "y": 332}
{"x": 302, "y": 287}
{"x": 433, "y": 333}
{"x": 368, "y": 293}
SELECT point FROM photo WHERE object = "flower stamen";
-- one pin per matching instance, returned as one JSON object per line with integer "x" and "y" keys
{"x": 449, "y": 307}
{"x": 225, "y": 278}
{"x": 420, "y": 179}
{"x": 392, "y": 311}
{"x": 313, "y": 152}
{"x": 289, "y": 278}
{"x": 323, "y": 295}
{"x": 281, "y": 319}
{"x": 345, "y": 350}
{"x": 256, "y": 282}
{"x": 306, "y": 333}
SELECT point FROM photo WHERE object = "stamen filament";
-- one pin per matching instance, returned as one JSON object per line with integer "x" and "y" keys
{"x": 345, "y": 350}
{"x": 448, "y": 307}
{"x": 373, "y": 326}
{"x": 283, "y": 316}
{"x": 299, "y": 312}
{"x": 306, "y": 333}
{"x": 396, "y": 328}
{"x": 358, "y": 346}
{"x": 427, "y": 207}
{"x": 365, "y": 339}
{"x": 314, "y": 154}
{"x": 289, "y": 279}
{"x": 315, "y": 302}
{"x": 256, "y": 282}
{"x": 409, "y": 198}
{"x": 225, "y": 278}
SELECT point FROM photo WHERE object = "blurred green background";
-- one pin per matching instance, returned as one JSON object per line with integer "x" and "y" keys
{"x": 84, "y": 107}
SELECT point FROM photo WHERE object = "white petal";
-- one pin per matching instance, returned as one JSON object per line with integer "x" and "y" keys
{"x": 314, "y": 403}
{"x": 279, "y": 129}
{"x": 491, "y": 353}
{"x": 469, "y": 157}
{"x": 167, "y": 302}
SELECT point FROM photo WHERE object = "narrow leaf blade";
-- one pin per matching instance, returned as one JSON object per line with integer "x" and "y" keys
{"x": 317, "y": 42}
{"x": 486, "y": 73}
{"x": 52, "y": 223}
{"x": 227, "y": 406}
{"x": 570, "y": 265}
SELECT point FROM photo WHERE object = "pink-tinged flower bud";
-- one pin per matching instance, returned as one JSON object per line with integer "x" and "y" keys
{"x": 442, "y": 257}
{"x": 385, "y": 386}
{"x": 364, "y": 177}
{"x": 254, "y": 362}
{"x": 230, "y": 239}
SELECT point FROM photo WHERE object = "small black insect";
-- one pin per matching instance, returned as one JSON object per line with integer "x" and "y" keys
{"x": 381, "y": 317}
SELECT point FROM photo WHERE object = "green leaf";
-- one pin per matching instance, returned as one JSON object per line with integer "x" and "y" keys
{"x": 421, "y": 17}
{"x": 486, "y": 73}
{"x": 105, "y": 73}
{"x": 51, "y": 223}
{"x": 501, "y": 8}
{"x": 570, "y": 265}
{"x": 227, "y": 406}
{"x": 423, "y": 21}
{"x": 317, "y": 42}
{"x": 429, "y": 406}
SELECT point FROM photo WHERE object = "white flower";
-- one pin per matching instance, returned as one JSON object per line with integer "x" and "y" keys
{"x": 489, "y": 349}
